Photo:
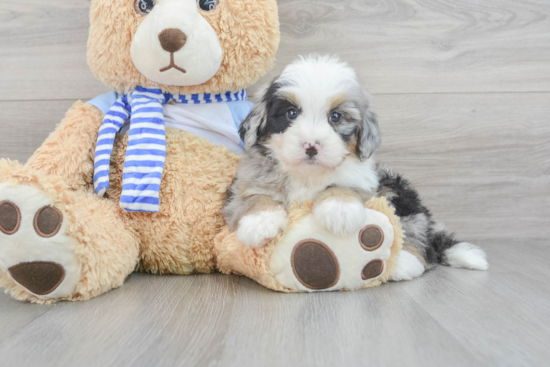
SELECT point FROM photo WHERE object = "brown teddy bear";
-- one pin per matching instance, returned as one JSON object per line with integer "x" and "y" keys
{"x": 136, "y": 179}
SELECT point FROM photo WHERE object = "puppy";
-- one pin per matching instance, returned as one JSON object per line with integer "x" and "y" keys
{"x": 311, "y": 136}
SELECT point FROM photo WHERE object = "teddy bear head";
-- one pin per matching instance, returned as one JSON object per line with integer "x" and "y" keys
{"x": 182, "y": 46}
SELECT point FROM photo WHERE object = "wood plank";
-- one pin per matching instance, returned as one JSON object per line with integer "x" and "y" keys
{"x": 43, "y": 51}
{"x": 16, "y": 315}
{"x": 526, "y": 260}
{"x": 401, "y": 46}
{"x": 425, "y": 46}
{"x": 24, "y": 125}
{"x": 149, "y": 321}
{"x": 219, "y": 320}
{"x": 378, "y": 327}
{"x": 498, "y": 315}
{"x": 449, "y": 316}
{"x": 481, "y": 162}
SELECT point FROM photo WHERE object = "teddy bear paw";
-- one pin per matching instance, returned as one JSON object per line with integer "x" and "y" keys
{"x": 311, "y": 257}
{"x": 35, "y": 251}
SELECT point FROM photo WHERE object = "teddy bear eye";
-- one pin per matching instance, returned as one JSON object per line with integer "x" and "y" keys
{"x": 208, "y": 5}
{"x": 144, "y": 7}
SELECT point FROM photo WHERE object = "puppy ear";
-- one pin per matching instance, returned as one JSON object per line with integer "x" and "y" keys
{"x": 253, "y": 123}
{"x": 369, "y": 137}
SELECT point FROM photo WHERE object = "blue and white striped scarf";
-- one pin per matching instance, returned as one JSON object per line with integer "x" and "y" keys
{"x": 146, "y": 150}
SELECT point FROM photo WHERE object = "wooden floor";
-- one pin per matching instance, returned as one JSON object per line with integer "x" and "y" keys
{"x": 462, "y": 91}
{"x": 448, "y": 317}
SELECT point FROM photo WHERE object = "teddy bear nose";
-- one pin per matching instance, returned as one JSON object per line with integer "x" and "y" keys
{"x": 172, "y": 39}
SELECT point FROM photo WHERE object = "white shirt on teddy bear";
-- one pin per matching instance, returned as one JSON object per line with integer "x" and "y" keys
{"x": 217, "y": 122}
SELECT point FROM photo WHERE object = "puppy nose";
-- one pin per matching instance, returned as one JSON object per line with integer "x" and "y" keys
{"x": 311, "y": 151}
{"x": 172, "y": 39}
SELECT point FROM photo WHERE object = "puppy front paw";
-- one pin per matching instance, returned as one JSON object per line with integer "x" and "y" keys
{"x": 255, "y": 230}
{"x": 340, "y": 217}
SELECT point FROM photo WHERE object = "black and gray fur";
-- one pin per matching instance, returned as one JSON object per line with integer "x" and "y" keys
{"x": 421, "y": 231}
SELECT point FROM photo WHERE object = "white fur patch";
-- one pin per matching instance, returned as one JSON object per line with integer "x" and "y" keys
{"x": 257, "y": 229}
{"x": 351, "y": 257}
{"x": 467, "y": 256}
{"x": 289, "y": 146}
{"x": 408, "y": 267}
{"x": 351, "y": 173}
{"x": 27, "y": 246}
{"x": 339, "y": 217}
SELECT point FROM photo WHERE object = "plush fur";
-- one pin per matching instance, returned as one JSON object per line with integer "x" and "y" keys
{"x": 111, "y": 243}
{"x": 248, "y": 32}
{"x": 95, "y": 224}
{"x": 179, "y": 239}
{"x": 69, "y": 151}
{"x": 189, "y": 234}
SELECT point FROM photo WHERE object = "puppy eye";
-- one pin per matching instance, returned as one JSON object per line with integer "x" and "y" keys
{"x": 335, "y": 117}
{"x": 144, "y": 7}
{"x": 208, "y": 5}
{"x": 292, "y": 114}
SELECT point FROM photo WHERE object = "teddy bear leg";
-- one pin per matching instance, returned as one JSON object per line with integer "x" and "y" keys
{"x": 311, "y": 258}
{"x": 57, "y": 244}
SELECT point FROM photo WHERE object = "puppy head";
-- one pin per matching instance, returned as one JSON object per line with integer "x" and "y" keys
{"x": 182, "y": 46}
{"x": 313, "y": 116}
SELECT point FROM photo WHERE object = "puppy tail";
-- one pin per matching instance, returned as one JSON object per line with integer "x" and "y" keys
{"x": 452, "y": 252}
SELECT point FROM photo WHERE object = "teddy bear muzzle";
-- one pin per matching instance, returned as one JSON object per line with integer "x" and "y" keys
{"x": 39, "y": 277}
{"x": 176, "y": 45}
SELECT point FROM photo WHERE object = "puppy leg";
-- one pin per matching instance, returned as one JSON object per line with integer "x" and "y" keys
{"x": 409, "y": 265}
{"x": 262, "y": 221}
{"x": 340, "y": 210}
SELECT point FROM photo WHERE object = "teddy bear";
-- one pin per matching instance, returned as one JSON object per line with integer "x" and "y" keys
{"x": 135, "y": 180}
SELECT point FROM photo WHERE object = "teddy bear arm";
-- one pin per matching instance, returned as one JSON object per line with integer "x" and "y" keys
{"x": 69, "y": 151}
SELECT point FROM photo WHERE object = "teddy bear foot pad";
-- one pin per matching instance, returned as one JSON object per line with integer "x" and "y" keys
{"x": 35, "y": 251}
{"x": 326, "y": 262}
